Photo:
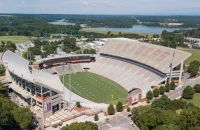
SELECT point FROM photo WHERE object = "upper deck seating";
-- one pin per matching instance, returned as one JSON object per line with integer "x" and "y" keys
{"x": 157, "y": 57}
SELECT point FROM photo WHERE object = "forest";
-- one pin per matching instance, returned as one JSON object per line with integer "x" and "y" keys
{"x": 189, "y": 21}
{"x": 195, "y": 33}
{"x": 165, "y": 114}
{"x": 13, "y": 117}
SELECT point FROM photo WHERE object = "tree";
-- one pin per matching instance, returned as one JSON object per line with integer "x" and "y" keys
{"x": 78, "y": 104}
{"x": 31, "y": 56}
{"x": 11, "y": 46}
{"x": 86, "y": 51}
{"x": 194, "y": 71}
{"x": 70, "y": 42}
{"x": 167, "y": 87}
{"x": 2, "y": 70}
{"x": 24, "y": 117}
{"x": 193, "y": 68}
{"x": 168, "y": 127}
{"x": 156, "y": 36}
{"x": 96, "y": 117}
{"x": 156, "y": 92}
{"x": 128, "y": 109}
{"x": 13, "y": 117}
{"x": 111, "y": 109}
{"x": 197, "y": 88}
{"x": 188, "y": 92}
{"x": 149, "y": 95}
{"x": 162, "y": 90}
{"x": 163, "y": 102}
{"x": 109, "y": 32}
{"x": 172, "y": 85}
{"x": 81, "y": 126}
{"x": 66, "y": 49}
{"x": 92, "y": 51}
{"x": 44, "y": 55}
{"x": 119, "y": 106}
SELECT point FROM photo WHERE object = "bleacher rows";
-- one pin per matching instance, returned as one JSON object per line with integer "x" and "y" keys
{"x": 158, "y": 57}
{"x": 127, "y": 74}
{"x": 63, "y": 70}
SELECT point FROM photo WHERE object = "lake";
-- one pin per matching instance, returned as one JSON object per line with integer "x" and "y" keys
{"x": 137, "y": 29}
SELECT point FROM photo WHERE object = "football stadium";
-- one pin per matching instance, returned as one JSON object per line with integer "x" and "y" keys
{"x": 123, "y": 70}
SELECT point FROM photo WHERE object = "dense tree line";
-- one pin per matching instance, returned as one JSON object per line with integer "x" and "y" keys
{"x": 31, "y": 25}
{"x": 44, "y": 48}
{"x": 116, "y": 21}
{"x": 165, "y": 114}
{"x": 11, "y": 116}
{"x": 189, "y": 21}
{"x": 170, "y": 39}
{"x": 191, "y": 33}
{"x": 160, "y": 91}
{"x": 93, "y": 35}
{"x": 37, "y": 25}
{"x": 7, "y": 46}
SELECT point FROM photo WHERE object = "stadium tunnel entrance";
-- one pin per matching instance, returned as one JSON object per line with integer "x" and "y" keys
{"x": 134, "y": 96}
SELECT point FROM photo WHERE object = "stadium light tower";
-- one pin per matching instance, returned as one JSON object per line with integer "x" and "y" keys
{"x": 62, "y": 64}
{"x": 69, "y": 88}
{"x": 171, "y": 65}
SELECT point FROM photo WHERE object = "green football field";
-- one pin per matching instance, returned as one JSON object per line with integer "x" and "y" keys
{"x": 96, "y": 88}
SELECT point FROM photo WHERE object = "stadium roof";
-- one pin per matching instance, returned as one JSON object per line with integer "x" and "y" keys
{"x": 20, "y": 67}
{"x": 158, "y": 57}
{"x": 17, "y": 65}
{"x": 60, "y": 57}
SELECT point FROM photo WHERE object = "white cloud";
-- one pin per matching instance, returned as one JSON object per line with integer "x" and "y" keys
{"x": 110, "y": 5}
{"x": 85, "y": 3}
{"x": 102, "y": 6}
{"x": 23, "y": 2}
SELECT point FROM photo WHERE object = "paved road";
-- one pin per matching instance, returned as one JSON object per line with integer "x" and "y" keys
{"x": 119, "y": 121}
{"x": 174, "y": 94}
{"x": 192, "y": 82}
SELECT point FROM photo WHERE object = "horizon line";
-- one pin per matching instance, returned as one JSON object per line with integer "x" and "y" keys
{"x": 104, "y": 14}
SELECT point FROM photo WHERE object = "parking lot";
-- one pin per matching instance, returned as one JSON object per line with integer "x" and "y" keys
{"x": 120, "y": 121}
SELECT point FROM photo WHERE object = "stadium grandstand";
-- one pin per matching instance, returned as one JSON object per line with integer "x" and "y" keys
{"x": 40, "y": 90}
{"x": 130, "y": 63}
{"x": 134, "y": 64}
{"x": 60, "y": 60}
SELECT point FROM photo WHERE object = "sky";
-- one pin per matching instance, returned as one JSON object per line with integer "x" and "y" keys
{"x": 134, "y": 7}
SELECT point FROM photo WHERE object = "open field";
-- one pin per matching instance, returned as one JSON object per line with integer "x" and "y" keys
{"x": 96, "y": 88}
{"x": 195, "y": 100}
{"x": 195, "y": 55}
{"x": 112, "y": 32}
{"x": 15, "y": 39}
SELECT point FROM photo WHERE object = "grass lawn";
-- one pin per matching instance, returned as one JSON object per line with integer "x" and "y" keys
{"x": 113, "y": 32}
{"x": 96, "y": 88}
{"x": 15, "y": 39}
{"x": 195, "y": 55}
{"x": 195, "y": 100}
